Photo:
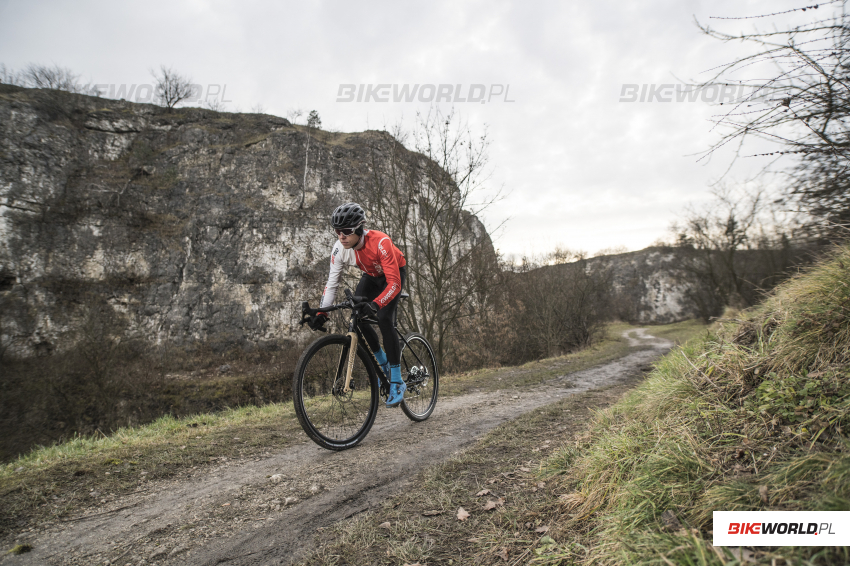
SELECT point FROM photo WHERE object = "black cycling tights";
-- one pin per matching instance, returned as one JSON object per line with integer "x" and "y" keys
{"x": 371, "y": 288}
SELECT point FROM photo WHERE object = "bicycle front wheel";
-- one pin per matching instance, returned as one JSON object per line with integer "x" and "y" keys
{"x": 419, "y": 371}
{"x": 332, "y": 417}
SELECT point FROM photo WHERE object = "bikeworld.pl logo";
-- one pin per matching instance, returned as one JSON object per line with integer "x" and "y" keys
{"x": 208, "y": 94}
{"x": 712, "y": 94}
{"x": 453, "y": 93}
{"x": 781, "y": 528}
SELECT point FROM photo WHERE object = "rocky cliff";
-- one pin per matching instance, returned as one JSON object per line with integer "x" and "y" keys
{"x": 188, "y": 225}
{"x": 648, "y": 286}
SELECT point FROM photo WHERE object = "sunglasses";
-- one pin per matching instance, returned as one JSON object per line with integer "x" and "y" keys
{"x": 344, "y": 231}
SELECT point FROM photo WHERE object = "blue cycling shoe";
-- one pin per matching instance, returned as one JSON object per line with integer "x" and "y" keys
{"x": 397, "y": 387}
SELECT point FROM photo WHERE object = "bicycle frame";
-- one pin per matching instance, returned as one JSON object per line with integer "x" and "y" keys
{"x": 355, "y": 334}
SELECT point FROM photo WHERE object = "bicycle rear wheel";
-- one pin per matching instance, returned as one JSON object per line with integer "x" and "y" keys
{"x": 332, "y": 418}
{"x": 419, "y": 371}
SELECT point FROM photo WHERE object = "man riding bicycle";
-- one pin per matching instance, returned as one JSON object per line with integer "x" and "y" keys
{"x": 384, "y": 272}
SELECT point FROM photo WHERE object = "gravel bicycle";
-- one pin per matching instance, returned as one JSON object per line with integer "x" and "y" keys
{"x": 338, "y": 382}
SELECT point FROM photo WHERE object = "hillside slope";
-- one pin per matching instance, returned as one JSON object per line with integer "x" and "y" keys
{"x": 753, "y": 417}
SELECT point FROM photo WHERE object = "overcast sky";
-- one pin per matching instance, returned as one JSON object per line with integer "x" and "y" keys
{"x": 581, "y": 168}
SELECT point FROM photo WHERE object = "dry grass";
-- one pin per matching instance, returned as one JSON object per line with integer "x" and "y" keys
{"x": 610, "y": 347}
{"x": 519, "y": 462}
{"x": 749, "y": 416}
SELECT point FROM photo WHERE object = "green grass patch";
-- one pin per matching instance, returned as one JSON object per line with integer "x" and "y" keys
{"x": 20, "y": 549}
{"x": 52, "y": 482}
{"x": 679, "y": 332}
{"x": 611, "y": 347}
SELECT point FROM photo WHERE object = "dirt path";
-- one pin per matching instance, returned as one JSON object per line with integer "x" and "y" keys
{"x": 267, "y": 511}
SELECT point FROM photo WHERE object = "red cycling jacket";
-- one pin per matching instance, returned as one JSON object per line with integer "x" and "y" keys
{"x": 376, "y": 255}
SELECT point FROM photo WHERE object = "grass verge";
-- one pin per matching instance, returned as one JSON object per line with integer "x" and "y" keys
{"x": 51, "y": 483}
{"x": 611, "y": 347}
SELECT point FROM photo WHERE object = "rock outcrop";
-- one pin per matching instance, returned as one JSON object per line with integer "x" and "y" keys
{"x": 648, "y": 285}
{"x": 188, "y": 225}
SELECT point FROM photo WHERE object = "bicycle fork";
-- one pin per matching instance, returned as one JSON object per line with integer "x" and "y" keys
{"x": 349, "y": 364}
{"x": 352, "y": 352}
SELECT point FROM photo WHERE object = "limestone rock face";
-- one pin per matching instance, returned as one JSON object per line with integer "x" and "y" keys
{"x": 189, "y": 225}
{"x": 648, "y": 282}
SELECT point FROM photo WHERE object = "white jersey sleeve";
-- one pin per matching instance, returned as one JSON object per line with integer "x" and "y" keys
{"x": 340, "y": 257}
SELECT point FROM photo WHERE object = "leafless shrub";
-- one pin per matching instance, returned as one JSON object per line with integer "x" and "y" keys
{"x": 9, "y": 76}
{"x": 49, "y": 77}
{"x": 216, "y": 104}
{"x": 171, "y": 87}
{"x": 294, "y": 115}
{"x": 562, "y": 303}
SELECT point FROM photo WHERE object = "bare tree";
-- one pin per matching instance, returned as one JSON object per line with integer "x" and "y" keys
{"x": 294, "y": 115}
{"x": 798, "y": 96}
{"x": 171, "y": 87}
{"x": 427, "y": 201}
{"x": 803, "y": 102}
{"x": 43, "y": 76}
{"x": 733, "y": 249}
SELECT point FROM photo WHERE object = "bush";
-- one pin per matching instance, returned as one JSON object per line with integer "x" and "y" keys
{"x": 561, "y": 307}
{"x": 110, "y": 379}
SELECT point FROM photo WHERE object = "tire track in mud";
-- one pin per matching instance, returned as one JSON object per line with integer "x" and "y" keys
{"x": 268, "y": 511}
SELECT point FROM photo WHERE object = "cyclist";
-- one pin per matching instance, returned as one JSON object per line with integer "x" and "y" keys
{"x": 384, "y": 272}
